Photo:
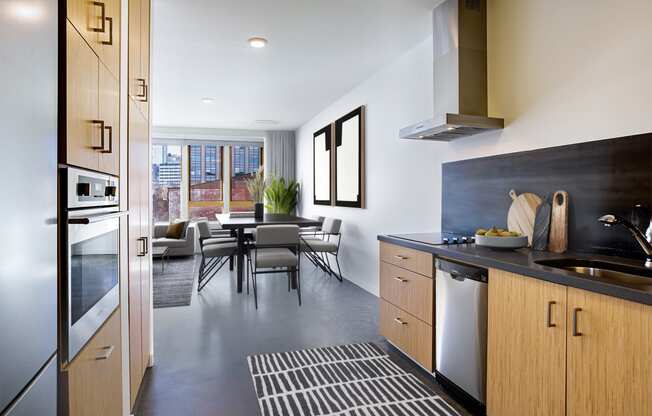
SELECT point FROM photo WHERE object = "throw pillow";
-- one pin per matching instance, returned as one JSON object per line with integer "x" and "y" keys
{"x": 175, "y": 230}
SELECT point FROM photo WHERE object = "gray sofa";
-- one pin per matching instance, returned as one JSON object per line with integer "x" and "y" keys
{"x": 176, "y": 247}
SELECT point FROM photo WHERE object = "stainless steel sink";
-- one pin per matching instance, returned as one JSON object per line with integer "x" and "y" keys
{"x": 619, "y": 274}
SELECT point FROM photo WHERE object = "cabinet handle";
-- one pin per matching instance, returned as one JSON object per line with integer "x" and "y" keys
{"x": 110, "y": 41}
{"x": 146, "y": 245}
{"x": 142, "y": 251}
{"x": 143, "y": 84}
{"x": 101, "y": 124}
{"x": 576, "y": 333}
{"x": 110, "y": 130}
{"x": 398, "y": 256}
{"x": 399, "y": 279}
{"x": 102, "y": 27}
{"x": 549, "y": 323}
{"x": 400, "y": 321}
{"x": 106, "y": 353}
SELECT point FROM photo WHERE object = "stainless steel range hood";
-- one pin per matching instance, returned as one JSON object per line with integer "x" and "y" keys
{"x": 460, "y": 74}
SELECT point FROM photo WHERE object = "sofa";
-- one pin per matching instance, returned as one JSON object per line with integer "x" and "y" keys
{"x": 184, "y": 246}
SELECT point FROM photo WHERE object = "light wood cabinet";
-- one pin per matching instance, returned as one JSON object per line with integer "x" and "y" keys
{"x": 609, "y": 356}
{"x": 408, "y": 290}
{"x": 95, "y": 376}
{"x": 526, "y": 346}
{"x": 408, "y": 333}
{"x": 139, "y": 53}
{"x": 98, "y": 22}
{"x": 407, "y": 258}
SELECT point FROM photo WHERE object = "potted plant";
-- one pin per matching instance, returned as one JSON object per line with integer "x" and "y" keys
{"x": 256, "y": 187}
{"x": 281, "y": 196}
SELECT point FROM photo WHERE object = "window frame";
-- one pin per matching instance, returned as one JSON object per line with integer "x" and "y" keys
{"x": 261, "y": 154}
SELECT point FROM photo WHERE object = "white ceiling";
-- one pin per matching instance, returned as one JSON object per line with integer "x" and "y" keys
{"x": 317, "y": 52}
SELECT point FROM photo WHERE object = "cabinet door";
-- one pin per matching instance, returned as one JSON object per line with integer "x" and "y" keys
{"x": 108, "y": 46}
{"x": 144, "y": 54}
{"x": 95, "y": 375}
{"x": 526, "y": 349}
{"x": 609, "y": 356}
{"x": 83, "y": 129}
{"x": 135, "y": 85}
{"x": 110, "y": 114}
{"x": 143, "y": 177}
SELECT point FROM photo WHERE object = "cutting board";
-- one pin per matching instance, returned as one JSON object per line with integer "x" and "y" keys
{"x": 522, "y": 212}
{"x": 542, "y": 226}
{"x": 558, "y": 240}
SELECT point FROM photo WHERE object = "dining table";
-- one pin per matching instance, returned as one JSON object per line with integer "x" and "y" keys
{"x": 238, "y": 224}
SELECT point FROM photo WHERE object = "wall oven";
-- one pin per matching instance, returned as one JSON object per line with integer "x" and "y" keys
{"x": 92, "y": 260}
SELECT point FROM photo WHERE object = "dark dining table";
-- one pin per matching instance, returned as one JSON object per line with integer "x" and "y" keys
{"x": 238, "y": 225}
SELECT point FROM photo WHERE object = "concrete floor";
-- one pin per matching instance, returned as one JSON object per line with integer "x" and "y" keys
{"x": 200, "y": 350}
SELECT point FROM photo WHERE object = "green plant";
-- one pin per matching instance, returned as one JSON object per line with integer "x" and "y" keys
{"x": 281, "y": 196}
{"x": 256, "y": 186}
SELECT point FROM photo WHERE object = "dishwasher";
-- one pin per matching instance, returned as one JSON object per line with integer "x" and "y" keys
{"x": 461, "y": 330}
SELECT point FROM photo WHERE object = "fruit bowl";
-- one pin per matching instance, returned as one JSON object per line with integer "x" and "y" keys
{"x": 508, "y": 243}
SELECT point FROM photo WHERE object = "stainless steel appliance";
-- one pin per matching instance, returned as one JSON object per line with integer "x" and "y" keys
{"x": 461, "y": 329}
{"x": 28, "y": 256}
{"x": 92, "y": 260}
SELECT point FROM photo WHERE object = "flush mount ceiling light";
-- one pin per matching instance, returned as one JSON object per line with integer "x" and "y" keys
{"x": 207, "y": 100}
{"x": 266, "y": 122}
{"x": 257, "y": 42}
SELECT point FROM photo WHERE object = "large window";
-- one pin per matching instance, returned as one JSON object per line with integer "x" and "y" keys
{"x": 206, "y": 185}
{"x": 245, "y": 162}
{"x": 166, "y": 182}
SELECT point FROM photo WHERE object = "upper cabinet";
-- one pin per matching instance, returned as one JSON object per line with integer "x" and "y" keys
{"x": 98, "y": 22}
{"x": 139, "y": 32}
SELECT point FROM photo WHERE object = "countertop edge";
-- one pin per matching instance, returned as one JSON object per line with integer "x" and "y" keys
{"x": 539, "y": 272}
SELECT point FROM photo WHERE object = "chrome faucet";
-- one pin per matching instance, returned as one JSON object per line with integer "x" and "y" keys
{"x": 643, "y": 240}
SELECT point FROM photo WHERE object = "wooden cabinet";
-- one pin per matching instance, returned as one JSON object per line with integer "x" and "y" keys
{"x": 609, "y": 356}
{"x": 408, "y": 290}
{"x": 526, "y": 346}
{"x": 413, "y": 336}
{"x": 92, "y": 109}
{"x": 139, "y": 51}
{"x": 98, "y": 22}
{"x": 586, "y": 354}
{"x": 94, "y": 377}
{"x": 407, "y": 258}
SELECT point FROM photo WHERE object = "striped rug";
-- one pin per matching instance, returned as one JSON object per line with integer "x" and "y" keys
{"x": 349, "y": 380}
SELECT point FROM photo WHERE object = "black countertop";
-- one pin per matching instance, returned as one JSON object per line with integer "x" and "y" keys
{"x": 522, "y": 262}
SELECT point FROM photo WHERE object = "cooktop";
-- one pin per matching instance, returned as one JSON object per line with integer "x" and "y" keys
{"x": 436, "y": 239}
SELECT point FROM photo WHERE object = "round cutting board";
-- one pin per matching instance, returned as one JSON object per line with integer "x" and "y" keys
{"x": 521, "y": 214}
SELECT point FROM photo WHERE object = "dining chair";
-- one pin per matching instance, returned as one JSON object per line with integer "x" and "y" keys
{"x": 215, "y": 252}
{"x": 275, "y": 250}
{"x": 324, "y": 243}
{"x": 314, "y": 229}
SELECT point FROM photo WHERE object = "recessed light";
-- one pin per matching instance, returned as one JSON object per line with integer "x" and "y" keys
{"x": 257, "y": 42}
{"x": 207, "y": 100}
{"x": 266, "y": 122}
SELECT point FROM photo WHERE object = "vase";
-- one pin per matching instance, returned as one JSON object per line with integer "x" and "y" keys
{"x": 258, "y": 210}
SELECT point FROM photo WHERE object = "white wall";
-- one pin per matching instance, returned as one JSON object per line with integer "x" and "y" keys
{"x": 559, "y": 72}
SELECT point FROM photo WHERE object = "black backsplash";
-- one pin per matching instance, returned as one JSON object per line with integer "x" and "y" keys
{"x": 606, "y": 176}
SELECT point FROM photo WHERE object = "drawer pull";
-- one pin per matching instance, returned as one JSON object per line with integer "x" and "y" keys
{"x": 549, "y": 323}
{"x": 398, "y": 256}
{"x": 106, "y": 353}
{"x": 400, "y": 279}
{"x": 576, "y": 333}
{"x": 400, "y": 321}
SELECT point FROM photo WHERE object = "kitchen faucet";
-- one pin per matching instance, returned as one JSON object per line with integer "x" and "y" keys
{"x": 643, "y": 240}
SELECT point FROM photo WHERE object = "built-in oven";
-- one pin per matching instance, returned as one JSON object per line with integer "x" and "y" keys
{"x": 92, "y": 260}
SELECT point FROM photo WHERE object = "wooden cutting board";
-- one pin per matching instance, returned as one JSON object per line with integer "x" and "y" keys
{"x": 522, "y": 212}
{"x": 558, "y": 240}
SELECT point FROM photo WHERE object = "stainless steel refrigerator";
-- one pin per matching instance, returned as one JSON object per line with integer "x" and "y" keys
{"x": 28, "y": 207}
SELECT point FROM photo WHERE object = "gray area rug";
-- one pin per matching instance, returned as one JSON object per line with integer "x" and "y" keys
{"x": 349, "y": 380}
{"x": 173, "y": 287}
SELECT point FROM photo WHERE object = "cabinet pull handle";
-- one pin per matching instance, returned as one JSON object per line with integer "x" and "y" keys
{"x": 101, "y": 124}
{"x": 106, "y": 353}
{"x": 398, "y": 256}
{"x": 146, "y": 245}
{"x": 142, "y": 250}
{"x": 110, "y": 41}
{"x": 102, "y": 27}
{"x": 576, "y": 333}
{"x": 110, "y": 130}
{"x": 549, "y": 323}
{"x": 400, "y": 321}
{"x": 142, "y": 83}
{"x": 399, "y": 279}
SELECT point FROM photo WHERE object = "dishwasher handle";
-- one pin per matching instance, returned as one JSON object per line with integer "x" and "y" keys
{"x": 460, "y": 272}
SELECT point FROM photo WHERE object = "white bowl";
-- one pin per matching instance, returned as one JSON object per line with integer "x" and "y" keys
{"x": 502, "y": 242}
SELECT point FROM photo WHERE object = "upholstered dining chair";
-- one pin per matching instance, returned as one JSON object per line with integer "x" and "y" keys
{"x": 326, "y": 242}
{"x": 215, "y": 252}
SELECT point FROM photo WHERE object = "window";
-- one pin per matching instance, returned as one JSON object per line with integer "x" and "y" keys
{"x": 166, "y": 182}
{"x": 206, "y": 185}
{"x": 245, "y": 162}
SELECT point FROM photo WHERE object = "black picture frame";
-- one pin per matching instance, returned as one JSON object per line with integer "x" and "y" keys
{"x": 328, "y": 132}
{"x": 359, "y": 202}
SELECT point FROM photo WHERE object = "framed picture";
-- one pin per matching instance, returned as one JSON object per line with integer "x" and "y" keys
{"x": 349, "y": 159}
{"x": 321, "y": 156}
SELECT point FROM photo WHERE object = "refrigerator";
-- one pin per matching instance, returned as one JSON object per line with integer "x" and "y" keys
{"x": 28, "y": 207}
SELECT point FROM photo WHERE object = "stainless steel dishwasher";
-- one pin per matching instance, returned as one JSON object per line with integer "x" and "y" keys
{"x": 461, "y": 329}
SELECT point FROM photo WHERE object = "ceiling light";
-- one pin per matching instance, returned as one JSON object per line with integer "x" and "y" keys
{"x": 266, "y": 122}
{"x": 207, "y": 100}
{"x": 257, "y": 42}
{"x": 26, "y": 11}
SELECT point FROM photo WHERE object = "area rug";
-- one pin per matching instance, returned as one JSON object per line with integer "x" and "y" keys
{"x": 348, "y": 380}
{"x": 173, "y": 286}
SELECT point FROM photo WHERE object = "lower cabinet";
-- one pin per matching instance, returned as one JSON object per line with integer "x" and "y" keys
{"x": 94, "y": 377}
{"x": 554, "y": 350}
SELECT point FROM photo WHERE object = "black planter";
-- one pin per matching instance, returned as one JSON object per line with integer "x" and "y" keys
{"x": 259, "y": 210}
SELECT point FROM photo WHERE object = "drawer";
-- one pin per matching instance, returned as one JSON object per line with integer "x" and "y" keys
{"x": 407, "y": 332}
{"x": 409, "y": 291}
{"x": 407, "y": 258}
